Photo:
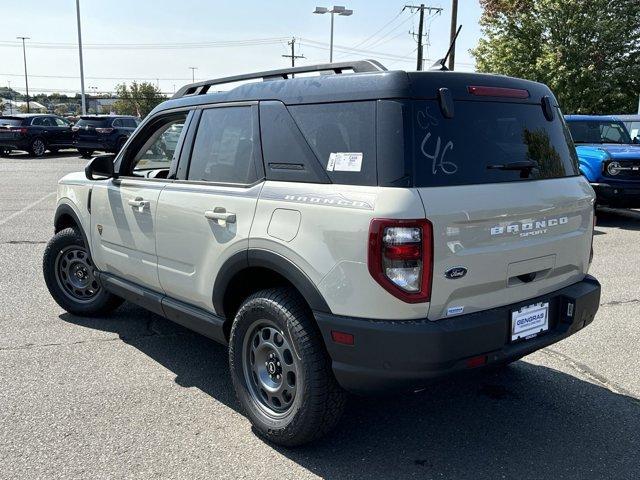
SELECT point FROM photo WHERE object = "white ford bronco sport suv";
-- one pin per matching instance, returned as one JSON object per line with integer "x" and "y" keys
{"x": 360, "y": 230}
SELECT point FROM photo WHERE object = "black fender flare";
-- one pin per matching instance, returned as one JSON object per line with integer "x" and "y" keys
{"x": 272, "y": 261}
{"x": 65, "y": 209}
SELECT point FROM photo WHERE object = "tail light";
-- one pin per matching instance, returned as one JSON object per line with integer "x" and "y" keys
{"x": 20, "y": 130}
{"x": 401, "y": 257}
{"x": 104, "y": 130}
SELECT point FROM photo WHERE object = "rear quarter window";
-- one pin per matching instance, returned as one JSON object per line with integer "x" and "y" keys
{"x": 482, "y": 135}
{"x": 341, "y": 128}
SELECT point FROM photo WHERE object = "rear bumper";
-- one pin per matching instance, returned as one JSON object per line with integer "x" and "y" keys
{"x": 390, "y": 355}
{"x": 15, "y": 144}
{"x": 94, "y": 144}
{"x": 625, "y": 195}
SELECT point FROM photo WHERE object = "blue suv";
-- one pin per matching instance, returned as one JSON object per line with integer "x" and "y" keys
{"x": 608, "y": 157}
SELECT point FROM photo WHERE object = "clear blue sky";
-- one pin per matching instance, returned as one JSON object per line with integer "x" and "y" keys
{"x": 262, "y": 26}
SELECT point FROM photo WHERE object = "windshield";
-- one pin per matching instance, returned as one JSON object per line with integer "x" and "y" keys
{"x": 633, "y": 128}
{"x": 489, "y": 142}
{"x": 595, "y": 131}
{"x": 11, "y": 122}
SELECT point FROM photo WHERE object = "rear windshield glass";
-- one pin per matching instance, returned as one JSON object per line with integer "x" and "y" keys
{"x": 596, "y": 131}
{"x": 11, "y": 122}
{"x": 489, "y": 142}
{"x": 93, "y": 122}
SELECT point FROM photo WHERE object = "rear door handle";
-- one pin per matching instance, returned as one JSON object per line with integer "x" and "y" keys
{"x": 220, "y": 214}
{"x": 139, "y": 203}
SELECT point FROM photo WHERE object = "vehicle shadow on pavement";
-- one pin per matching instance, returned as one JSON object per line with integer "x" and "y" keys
{"x": 22, "y": 155}
{"x": 526, "y": 421}
{"x": 624, "y": 219}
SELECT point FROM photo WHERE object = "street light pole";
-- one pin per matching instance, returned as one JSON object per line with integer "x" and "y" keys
{"x": 84, "y": 101}
{"x": 26, "y": 80}
{"x": 340, "y": 10}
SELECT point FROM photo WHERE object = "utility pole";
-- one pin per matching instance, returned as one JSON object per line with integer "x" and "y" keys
{"x": 26, "y": 79}
{"x": 84, "y": 100}
{"x": 422, "y": 7}
{"x": 193, "y": 74}
{"x": 10, "y": 98}
{"x": 293, "y": 55}
{"x": 454, "y": 27}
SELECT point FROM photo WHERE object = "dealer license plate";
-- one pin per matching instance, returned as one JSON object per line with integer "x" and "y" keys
{"x": 529, "y": 321}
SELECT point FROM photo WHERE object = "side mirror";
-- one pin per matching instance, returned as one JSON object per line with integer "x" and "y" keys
{"x": 101, "y": 166}
{"x": 636, "y": 140}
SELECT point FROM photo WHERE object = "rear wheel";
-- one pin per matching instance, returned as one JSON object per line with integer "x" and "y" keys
{"x": 84, "y": 152}
{"x": 37, "y": 147}
{"x": 71, "y": 277}
{"x": 280, "y": 369}
{"x": 5, "y": 152}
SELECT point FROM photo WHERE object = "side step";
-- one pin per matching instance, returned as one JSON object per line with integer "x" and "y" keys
{"x": 193, "y": 318}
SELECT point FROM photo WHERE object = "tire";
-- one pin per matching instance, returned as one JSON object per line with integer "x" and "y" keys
{"x": 77, "y": 290}
{"x": 37, "y": 147}
{"x": 5, "y": 152}
{"x": 282, "y": 322}
{"x": 85, "y": 153}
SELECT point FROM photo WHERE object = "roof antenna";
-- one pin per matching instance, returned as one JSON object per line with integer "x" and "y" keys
{"x": 440, "y": 64}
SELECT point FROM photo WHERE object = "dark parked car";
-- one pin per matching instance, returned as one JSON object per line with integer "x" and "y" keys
{"x": 102, "y": 132}
{"x": 35, "y": 133}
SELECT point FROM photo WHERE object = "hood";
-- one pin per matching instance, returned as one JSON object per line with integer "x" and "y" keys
{"x": 613, "y": 150}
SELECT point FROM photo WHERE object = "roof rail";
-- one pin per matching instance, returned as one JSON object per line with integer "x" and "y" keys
{"x": 200, "y": 88}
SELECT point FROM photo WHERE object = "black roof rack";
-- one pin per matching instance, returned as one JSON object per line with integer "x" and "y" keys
{"x": 200, "y": 88}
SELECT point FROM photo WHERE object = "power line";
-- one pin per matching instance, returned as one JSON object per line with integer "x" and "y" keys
{"x": 379, "y": 30}
{"x": 383, "y": 39}
{"x": 323, "y": 46}
{"x": 152, "y": 46}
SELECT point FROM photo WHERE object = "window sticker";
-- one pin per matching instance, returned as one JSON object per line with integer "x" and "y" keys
{"x": 345, "y": 162}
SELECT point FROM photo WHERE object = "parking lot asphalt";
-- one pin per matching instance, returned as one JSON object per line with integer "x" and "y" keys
{"x": 134, "y": 396}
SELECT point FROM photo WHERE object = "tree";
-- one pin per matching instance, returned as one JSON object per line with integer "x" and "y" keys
{"x": 138, "y": 99}
{"x": 587, "y": 51}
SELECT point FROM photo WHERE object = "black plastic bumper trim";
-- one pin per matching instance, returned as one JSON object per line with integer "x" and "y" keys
{"x": 391, "y": 354}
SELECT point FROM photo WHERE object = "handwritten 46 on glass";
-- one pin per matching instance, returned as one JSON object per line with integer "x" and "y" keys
{"x": 434, "y": 148}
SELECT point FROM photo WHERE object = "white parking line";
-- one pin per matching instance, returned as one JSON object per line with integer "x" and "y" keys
{"x": 28, "y": 207}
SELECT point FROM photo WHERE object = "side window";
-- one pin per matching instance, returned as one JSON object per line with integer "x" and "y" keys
{"x": 343, "y": 137}
{"x": 223, "y": 150}
{"x": 48, "y": 122}
{"x": 37, "y": 122}
{"x": 157, "y": 148}
{"x": 60, "y": 122}
{"x": 130, "y": 122}
{"x": 117, "y": 123}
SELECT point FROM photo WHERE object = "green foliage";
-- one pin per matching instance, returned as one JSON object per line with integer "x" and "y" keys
{"x": 587, "y": 51}
{"x": 138, "y": 99}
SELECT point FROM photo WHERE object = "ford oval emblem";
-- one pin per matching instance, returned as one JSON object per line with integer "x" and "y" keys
{"x": 455, "y": 272}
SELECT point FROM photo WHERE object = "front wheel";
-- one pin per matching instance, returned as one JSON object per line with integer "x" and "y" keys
{"x": 281, "y": 371}
{"x": 71, "y": 278}
{"x": 37, "y": 147}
